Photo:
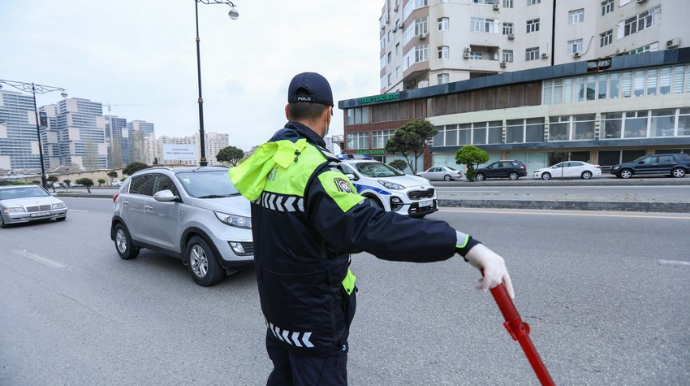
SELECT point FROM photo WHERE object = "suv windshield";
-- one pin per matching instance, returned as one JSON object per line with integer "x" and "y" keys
{"x": 377, "y": 169}
{"x": 207, "y": 184}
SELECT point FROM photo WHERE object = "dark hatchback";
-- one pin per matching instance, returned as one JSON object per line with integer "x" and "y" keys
{"x": 673, "y": 165}
{"x": 512, "y": 169}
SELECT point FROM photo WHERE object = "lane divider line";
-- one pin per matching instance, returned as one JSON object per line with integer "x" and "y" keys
{"x": 40, "y": 259}
{"x": 675, "y": 262}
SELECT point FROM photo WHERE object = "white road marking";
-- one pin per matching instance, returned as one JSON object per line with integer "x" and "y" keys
{"x": 674, "y": 262}
{"x": 40, "y": 259}
{"x": 78, "y": 210}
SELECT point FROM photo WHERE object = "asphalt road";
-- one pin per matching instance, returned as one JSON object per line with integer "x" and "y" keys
{"x": 606, "y": 295}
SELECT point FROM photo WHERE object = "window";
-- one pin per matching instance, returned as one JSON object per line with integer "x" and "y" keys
{"x": 358, "y": 115}
{"x": 507, "y": 56}
{"x": 507, "y": 3}
{"x": 606, "y": 7}
{"x": 642, "y": 21}
{"x": 397, "y": 49}
{"x": 515, "y": 131}
{"x": 663, "y": 123}
{"x": 412, "y": 5}
{"x": 358, "y": 141}
{"x": 390, "y": 79}
{"x": 443, "y": 78}
{"x": 380, "y": 138}
{"x": 574, "y": 46}
{"x": 584, "y": 127}
{"x": 612, "y": 125}
{"x": 533, "y": 2}
{"x": 684, "y": 122}
{"x": 534, "y": 130}
{"x": 443, "y": 24}
{"x": 559, "y": 128}
{"x": 480, "y": 24}
{"x": 443, "y": 52}
{"x": 532, "y": 54}
{"x": 163, "y": 182}
{"x": 635, "y": 124}
{"x": 606, "y": 38}
{"x": 421, "y": 53}
{"x": 479, "y": 133}
{"x": 496, "y": 132}
{"x": 576, "y": 16}
{"x": 141, "y": 185}
{"x": 420, "y": 26}
{"x": 532, "y": 25}
{"x": 475, "y": 56}
{"x": 507, "y": 28}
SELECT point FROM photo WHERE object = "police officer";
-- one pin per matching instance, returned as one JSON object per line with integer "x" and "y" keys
{"x": 307, "y": 218}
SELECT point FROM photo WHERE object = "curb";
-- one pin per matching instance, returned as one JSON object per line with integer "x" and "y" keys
{"x": 663, "y": 207}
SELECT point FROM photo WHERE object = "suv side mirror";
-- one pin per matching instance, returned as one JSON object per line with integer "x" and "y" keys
{"x": 165, "y": 196}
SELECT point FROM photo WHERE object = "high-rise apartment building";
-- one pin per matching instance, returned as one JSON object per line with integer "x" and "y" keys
{"x": 430, "y": 42}
{"x": 143, "y": 141}
{"x": 18, "y": 138}
{"x": 118, "y": 140}
{"x": 590, "y": 80}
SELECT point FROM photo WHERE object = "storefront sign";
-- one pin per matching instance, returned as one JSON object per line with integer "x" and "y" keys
{"x": 379, "y": 98}
{"x": 372, "y": 152}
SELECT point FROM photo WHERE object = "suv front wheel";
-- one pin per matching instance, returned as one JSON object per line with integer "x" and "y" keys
{"x": 203, "y": 264}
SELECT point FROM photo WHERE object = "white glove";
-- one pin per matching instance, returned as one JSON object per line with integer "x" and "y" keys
{"x": 495, "y": 271}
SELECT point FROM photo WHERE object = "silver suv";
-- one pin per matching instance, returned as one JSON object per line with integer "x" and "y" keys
{"x": 193, "y": 213}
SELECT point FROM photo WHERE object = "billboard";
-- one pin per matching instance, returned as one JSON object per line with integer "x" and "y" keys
{"x": 173, "y": 152}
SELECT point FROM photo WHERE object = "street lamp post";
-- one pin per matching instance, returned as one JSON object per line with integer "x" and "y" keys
{"x": 233, "y": 15}
{"x": 36, "y": 89}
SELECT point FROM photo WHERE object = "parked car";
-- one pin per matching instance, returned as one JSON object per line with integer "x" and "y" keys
{"x": 512, "y": 169}
{"x": 25, "y": 203}
{"x": 445, "y": 173}
{"x": 193, "y": 213}
{"x": 390, "y": 189}
{"x": 569, "y": 169}
{"x": 676, "y": 165}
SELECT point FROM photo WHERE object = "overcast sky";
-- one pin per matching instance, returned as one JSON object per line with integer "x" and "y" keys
{"x": 142, "y": 53}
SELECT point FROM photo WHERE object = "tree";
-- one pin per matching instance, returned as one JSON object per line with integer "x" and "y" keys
{"x": 133, "y": 168}
{"x": 470, "y": 156}
{"x": 230, "y": 154}
{"x": 52, "y": 180}
{"x": 112, "y": 176}
{"x": 115, "y": 154}
{"x": 66, "y": 182}
{"x": 86, "y": 182}
{"x": 90, "y": 155}
{"x": 398, "y": 164}
{"x": 100, "y": 182}
{"x": 411, "y": 138}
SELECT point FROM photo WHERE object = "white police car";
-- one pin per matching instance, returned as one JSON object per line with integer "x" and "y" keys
{"x": 390, "y": 189}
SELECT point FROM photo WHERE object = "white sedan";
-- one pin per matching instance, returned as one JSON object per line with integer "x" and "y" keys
{"x": 569, "y": 169}
{"x": 445, "y": 173}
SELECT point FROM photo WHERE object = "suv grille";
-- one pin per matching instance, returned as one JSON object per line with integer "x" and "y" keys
{"x": 420, "y": 194}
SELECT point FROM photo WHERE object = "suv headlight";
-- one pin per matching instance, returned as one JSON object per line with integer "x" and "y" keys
{"x": 234, "y": 221}
{"x": 391, "y": 185}
{"x": 16, "y": 209}
{"x": 616, "y": 167}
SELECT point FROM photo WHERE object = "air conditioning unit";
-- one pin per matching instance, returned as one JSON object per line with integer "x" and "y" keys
{"x": 576, "y": 54}
{"x": 467, "y": 49}
{"x": 618, "y": 51}
{"x": 422, "y": 35}
{"x": 466, "y": 55}
{"x": 544, "y": 55}
{"x": 495, "y": 7}
{"x": 511, "y": 36}
{"x": 672, "y": 43}
{"x": 503, "y": 64}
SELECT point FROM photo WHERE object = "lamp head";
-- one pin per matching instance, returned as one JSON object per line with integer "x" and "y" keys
{"x": 233, "y": 13}
{"x": 64, "y": 94}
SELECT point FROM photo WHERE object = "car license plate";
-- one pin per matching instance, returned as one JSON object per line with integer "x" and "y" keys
{"x": 40, "y": 214}
{"x": 425, "y": 203}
